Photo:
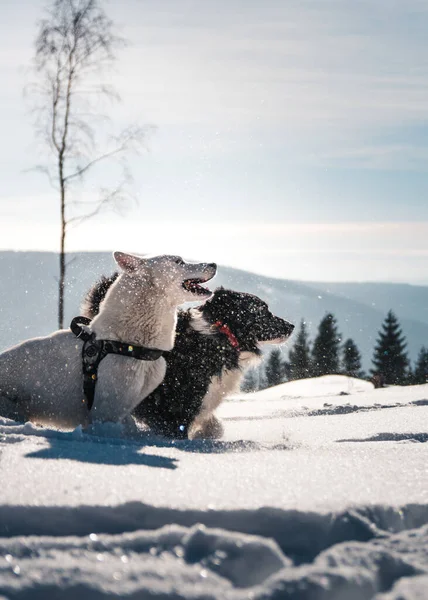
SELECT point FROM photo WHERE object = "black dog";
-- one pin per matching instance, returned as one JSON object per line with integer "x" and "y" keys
{"x": 214, "y": 343}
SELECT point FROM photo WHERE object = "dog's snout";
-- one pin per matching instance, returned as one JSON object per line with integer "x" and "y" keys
{"x": 289, "y": 328}
{"x": 211, "y": 269}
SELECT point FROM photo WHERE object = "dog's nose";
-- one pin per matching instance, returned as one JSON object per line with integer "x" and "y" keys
{"x": 290, "y": 328}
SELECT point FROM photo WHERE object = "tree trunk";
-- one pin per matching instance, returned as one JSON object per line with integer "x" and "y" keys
{"x": 61, "y": 283}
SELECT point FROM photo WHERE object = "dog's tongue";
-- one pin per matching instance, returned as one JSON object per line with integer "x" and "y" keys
{"x": 193, "y": 285}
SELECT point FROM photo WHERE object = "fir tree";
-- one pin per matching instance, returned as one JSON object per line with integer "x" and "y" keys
{"x": 410, "y": 376}
{"x": 275, "y": 369}
{"x": 351, "y": 359}
{"x": 300, "y": 355}
{"x": 390, "y": 357}
{"x": 259, "y": 372}
{"x": 325, "y": 351}
{"x": 420, "y": 374}
{"x": 250, "y": 382}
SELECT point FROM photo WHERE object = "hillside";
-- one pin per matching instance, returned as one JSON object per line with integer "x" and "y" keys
{"x": 409, "y": 300}
{"x": 28, "y": 297}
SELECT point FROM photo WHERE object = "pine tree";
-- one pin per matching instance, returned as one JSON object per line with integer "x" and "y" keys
{"x": 390, "y": 357}
{"x": 300, "y": 355}
{"x": 351, "y": 359}
{"x": 259, "y": 375}
{"x": 420, "y": 374}
{"x": 410, "y": 376}
{"x": 275, "y": 369}
{"x": 325, "y": 351}
{"x": 250, "y": 383}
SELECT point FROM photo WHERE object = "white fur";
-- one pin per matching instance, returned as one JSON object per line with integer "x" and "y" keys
{"x": 198, "y": 323}
{"x": 206, "y": 425}
{"x": 42, "y": 378}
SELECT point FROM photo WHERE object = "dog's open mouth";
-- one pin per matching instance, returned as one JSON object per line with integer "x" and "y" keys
{"x": 194, "y": 286}
{"x": 280, "y": 339}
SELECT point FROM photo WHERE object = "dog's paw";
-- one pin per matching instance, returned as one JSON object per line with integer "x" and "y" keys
{"x": 210, "y": 429}
{"x": 106, "y": 429}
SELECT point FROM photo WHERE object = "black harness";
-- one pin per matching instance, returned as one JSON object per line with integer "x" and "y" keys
{"x": 94, "y": 351}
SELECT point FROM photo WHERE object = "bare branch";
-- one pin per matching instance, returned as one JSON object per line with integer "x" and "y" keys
{"x": 109, "y": 200}
{"x": 45, "y": 171}
{"x": 130, "y": 141}
{"x": 71, "y": 261}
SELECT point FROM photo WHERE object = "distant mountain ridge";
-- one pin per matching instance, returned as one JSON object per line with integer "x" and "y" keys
{"x": 28, "y": 299}
{"x": 410, "y": 301}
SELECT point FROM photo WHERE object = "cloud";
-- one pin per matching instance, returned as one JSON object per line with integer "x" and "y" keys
{"x": 312, "y": 57}
{"x": 266, "y": 111}
{"x": 320, "y": 78}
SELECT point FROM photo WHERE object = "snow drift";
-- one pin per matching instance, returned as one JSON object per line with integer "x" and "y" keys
{"x": 319, "y": 490}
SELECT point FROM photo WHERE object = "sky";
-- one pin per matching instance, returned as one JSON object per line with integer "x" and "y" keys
{"x": 290, "y": 137}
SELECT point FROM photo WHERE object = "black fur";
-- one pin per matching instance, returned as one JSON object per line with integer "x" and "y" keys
{"x": 199, "y": 356}
{"x": 194, "y": 361}
{"x": 97, "y": 293}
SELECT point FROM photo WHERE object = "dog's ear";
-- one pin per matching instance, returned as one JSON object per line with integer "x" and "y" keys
{"x": 127, "y": 262}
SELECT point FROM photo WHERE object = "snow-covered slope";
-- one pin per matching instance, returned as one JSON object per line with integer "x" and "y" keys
{"x": 28, "y": 299}
{"x": 319, "y": 490}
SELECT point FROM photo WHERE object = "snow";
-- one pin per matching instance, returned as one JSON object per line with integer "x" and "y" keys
{"x": 318, "y": 490}
{"x": 328, "y": 385}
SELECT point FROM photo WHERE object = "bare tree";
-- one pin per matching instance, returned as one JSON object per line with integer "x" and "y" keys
{"x": 75, "y": 49}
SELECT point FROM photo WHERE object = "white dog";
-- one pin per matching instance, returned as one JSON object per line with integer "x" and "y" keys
{"x": 41, "y": 379}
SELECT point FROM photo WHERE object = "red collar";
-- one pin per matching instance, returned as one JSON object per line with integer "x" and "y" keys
{"x": 223, "y": 328}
